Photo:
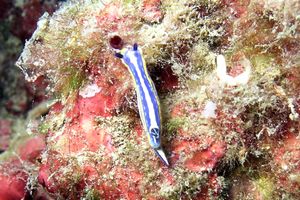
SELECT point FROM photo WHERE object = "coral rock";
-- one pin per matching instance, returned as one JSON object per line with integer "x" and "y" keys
{"x": 287, "y": 159}
{"x": 151, "y": 10}
{"x": 12, "y": 181}
{"x": 31, "y": 149}
{"x": 5, "y": 131}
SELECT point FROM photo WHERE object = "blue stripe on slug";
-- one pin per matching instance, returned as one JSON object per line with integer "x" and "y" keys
{"x": 149, "y": 109}
{"x": 148, "y": 102}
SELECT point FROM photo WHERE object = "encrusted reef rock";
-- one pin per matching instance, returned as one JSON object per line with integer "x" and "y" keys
{"x": 222, "y": 126}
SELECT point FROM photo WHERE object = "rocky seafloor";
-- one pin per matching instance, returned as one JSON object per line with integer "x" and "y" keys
{"x": 227, "y": 74}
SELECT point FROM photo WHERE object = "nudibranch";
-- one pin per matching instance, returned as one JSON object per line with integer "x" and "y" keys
{"x": 148, "y": 101}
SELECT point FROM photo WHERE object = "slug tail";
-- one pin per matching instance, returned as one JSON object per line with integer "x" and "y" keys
{"x": 161, "y": 154}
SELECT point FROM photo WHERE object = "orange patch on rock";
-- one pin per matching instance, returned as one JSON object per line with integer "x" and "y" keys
{"x": 151, "y": 10}
{"x": 128, "y": 181}
{"x": 206, "y": 159}
{"x": 287, "y": 158}
{"x": 83, "y": 134}
{"x": 178, "y": 110}
{"x": 238, "y": 8}
{"x": 138, "y": 130}
{"x": 212, "y": 189}
{"x": 198, "y": 158}
{"x": 112, "y": 18}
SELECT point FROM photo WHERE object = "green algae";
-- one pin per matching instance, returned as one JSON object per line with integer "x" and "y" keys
{"x": 72, "y": 83}
{"x": 44, "y": 128}
{"x": 188, "y": 185}
{"x": 91, "y": 194}
{"x": 174, "y": 124}
{"x": 265, "y": 187}
{"x": 122, "y": 134}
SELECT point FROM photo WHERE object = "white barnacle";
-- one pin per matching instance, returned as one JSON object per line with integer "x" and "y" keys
{"x": 294, "y": 115}
{"x": 39, "y": 63}
{"x": 89, "y": 90}
{"x": 209, "y": 110}
{"x": 224, "y": 77}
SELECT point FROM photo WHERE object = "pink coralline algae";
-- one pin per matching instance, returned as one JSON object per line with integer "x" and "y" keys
{"x": 227, "y": 78}
{"x": 151, "y": 10}
{"x": 16, "y": 170}
{"x": 13, "y": 182}
{"x": 287, "y": 159}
